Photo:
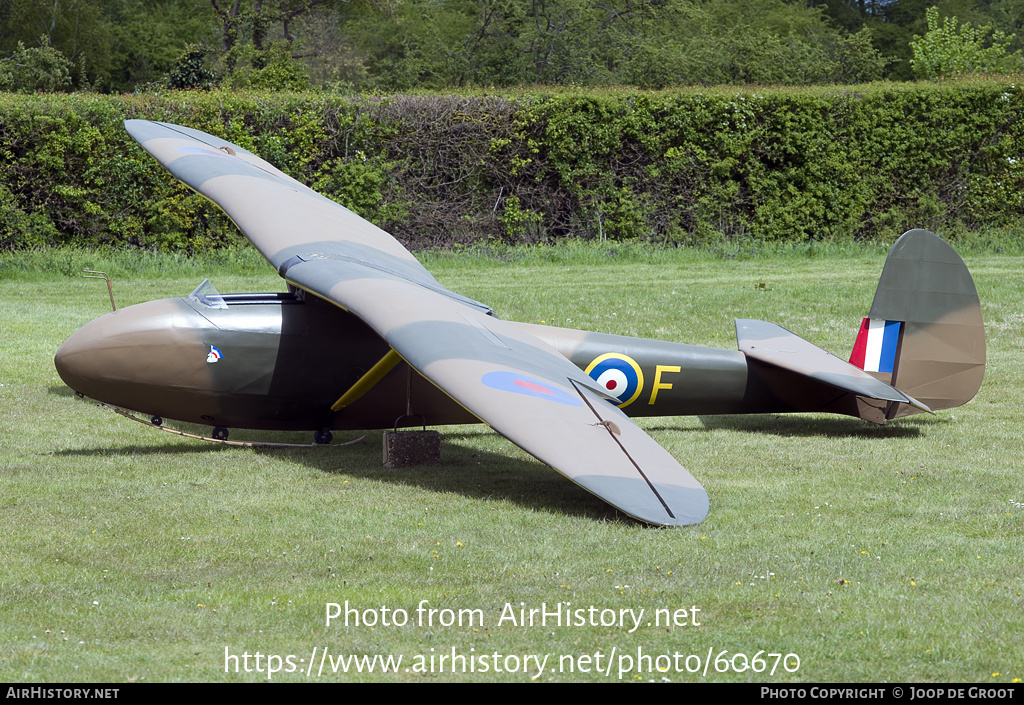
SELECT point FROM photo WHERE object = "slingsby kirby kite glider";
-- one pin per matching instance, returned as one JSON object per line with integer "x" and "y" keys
{"x": 366, "y": 336}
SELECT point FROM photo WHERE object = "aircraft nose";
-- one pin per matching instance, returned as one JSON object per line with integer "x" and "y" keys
{"x": 123, "y": 356}
{"x": 76, "y": 361}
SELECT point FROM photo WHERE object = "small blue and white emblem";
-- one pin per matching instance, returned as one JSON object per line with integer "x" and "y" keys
{"x": 215, "y": 354}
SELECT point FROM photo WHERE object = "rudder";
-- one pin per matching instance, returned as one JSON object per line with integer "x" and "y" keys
{"x": 924, "y": 333}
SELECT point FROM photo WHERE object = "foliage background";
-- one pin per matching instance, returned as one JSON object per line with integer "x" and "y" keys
{"x": 685, "y": 166}
{"x": 398, "y": 45}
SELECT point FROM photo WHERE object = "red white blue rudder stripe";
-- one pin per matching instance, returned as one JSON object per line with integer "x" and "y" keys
{"x": 876, "y": 346}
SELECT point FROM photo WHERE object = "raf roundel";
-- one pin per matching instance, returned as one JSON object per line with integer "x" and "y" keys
{"x": 619, "y": 375}
{"x": 508, "y": 381}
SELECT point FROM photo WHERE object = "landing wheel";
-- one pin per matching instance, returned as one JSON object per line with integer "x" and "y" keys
{"x": 220, "y": 433}
{"x": 323, "y": 437}
{"x": 156, "y": 421}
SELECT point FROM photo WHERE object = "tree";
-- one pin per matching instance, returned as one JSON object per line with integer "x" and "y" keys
{"x": 647, "y": 43}
{"x": 271, "y": 69}
{"x": 258, "y": 19}
{"x": 150, "y": 36}
{"x": 190, "y": 71}
{"x": 757, "y": 41}
{"x": 78, "y": 29}
{"x": 41, "y": 68}
{"x": 949, "y": 50}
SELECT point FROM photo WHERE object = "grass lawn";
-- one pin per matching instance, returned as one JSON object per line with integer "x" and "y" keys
{"x": 835, "y": 550}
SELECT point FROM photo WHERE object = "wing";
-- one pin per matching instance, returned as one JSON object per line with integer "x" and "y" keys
{"x": 506, "y": 377}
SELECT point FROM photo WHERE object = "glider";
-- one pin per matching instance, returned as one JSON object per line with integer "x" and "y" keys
{"x": 365, "y": 336}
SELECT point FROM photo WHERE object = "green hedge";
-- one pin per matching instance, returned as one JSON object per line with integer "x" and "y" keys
{"x": 688, "y": 166}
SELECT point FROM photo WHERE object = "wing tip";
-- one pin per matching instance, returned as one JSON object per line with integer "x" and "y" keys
{"x": 667, "y": 505}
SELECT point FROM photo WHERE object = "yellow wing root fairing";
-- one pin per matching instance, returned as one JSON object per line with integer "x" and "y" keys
{"x": 369, "y": 380}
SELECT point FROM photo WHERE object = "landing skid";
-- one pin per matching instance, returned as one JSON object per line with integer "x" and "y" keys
{"x": 224, "y": 440}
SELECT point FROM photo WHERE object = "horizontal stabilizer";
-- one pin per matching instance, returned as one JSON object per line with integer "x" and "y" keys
{"x": 774, "y": 345}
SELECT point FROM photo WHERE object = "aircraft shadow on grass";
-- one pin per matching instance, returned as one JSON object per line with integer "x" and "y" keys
{"x": 482, "y": 474}
{"x": 465, "y": 470}
{"x": 803, "y": 427}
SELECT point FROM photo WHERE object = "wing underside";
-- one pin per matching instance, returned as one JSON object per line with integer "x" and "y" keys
{"x": 506, "y": 377}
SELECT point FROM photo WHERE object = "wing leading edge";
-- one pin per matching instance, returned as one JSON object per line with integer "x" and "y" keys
{"x": 506, "y": 377}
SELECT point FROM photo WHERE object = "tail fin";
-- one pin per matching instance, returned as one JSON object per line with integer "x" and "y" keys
{"x": 924, "y": 334}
